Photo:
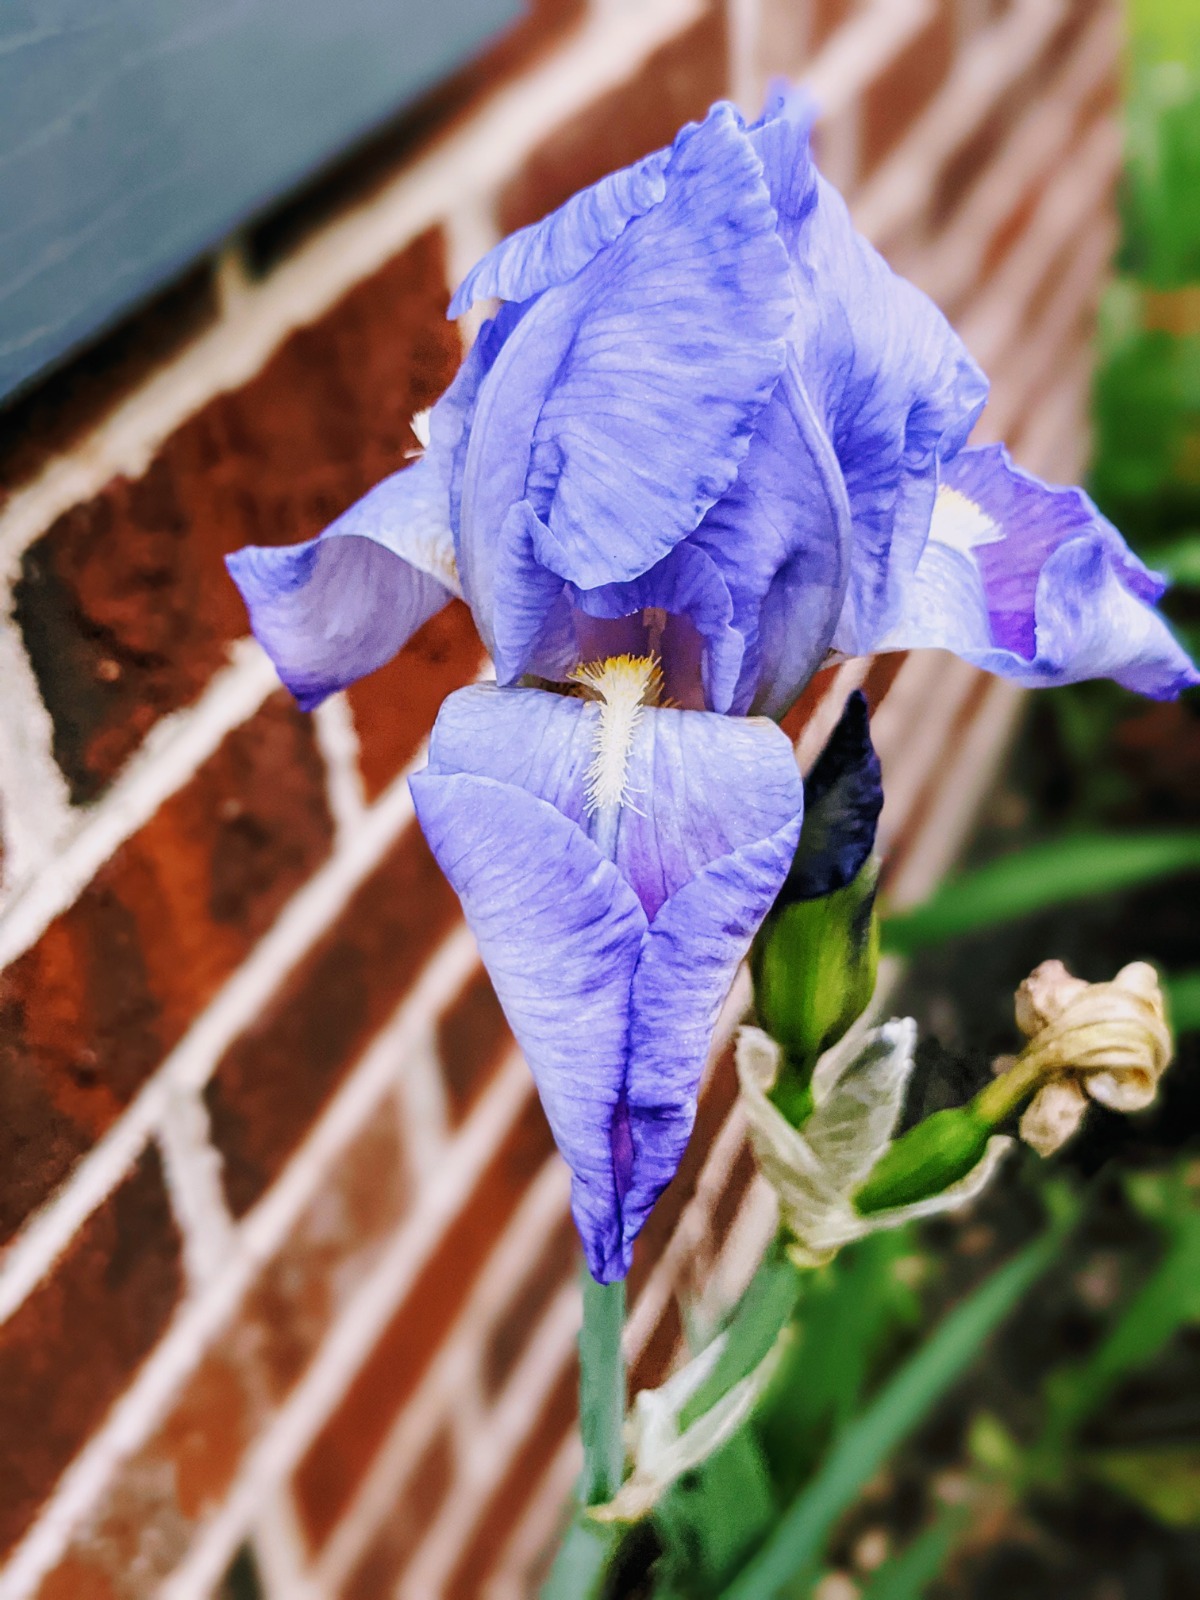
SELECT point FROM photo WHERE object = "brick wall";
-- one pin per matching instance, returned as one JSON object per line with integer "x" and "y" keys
{"x": 286, "y": 1293}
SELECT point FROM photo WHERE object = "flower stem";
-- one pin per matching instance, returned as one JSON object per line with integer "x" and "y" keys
{"x": 601, "y": 1390}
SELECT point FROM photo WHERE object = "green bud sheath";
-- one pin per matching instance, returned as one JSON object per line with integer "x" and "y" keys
{"x": 926, "y": 1160}
{"x": 814, "y": 965}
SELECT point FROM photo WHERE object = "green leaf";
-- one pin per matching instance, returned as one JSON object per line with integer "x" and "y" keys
{"x": 1164, "y": 1481}
{"x": 752, "y": 1332}
{"x": 1183, "y": 1000}
{"x": 906, "y": 1576}
{"x": 792, "y": 1552}
{"x": 851, "y": 1310}
{"x": 712, "y": 1518}
{"x": 1073, "y": 868}
{"x": 1168, "y": 1299}
{"x": 578, "y": 1568}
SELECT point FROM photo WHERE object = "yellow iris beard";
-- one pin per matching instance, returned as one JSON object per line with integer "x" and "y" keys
{"x": 623, "y": 686}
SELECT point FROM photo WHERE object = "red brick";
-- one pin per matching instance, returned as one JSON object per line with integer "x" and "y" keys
{"x": 56, "y": 414}
{"x": 677, "y": 84}
{"x": 74, "y": 1345}
{"x": 149, "y": 1511}
{"x": 394, "y": 708}
{"x": 654, "y": 1363}
{"x": 125, "y": 605}
{"x": 274, "y": 1080}
{"x": 77, "y": 1578}
{"x": 815, "y": 690}
{"x": 90, "y": 1011}
{"x": 828, "y": 16}
{"x": 918, "y": 816}
{"x": 420, "y": 1499}
{"x": 473, "y": 1039}
{"x": 343, "y": 1450}
{"x": 507, "y": 1502}
{"x": 730, "y": 1199}
{"x": 892, "y": 103}
{"x": 331, "y": 1249}
{"x": 509, "y": 1338}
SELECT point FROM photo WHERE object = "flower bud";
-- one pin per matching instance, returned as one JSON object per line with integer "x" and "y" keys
{"x": 815, "y": 956}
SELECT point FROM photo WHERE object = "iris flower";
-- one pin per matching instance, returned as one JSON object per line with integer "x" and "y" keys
{"x": 708, "y": 441}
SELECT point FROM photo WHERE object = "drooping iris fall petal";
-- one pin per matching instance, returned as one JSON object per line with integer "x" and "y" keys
{"x": 612, "y": 939}
{"x": 1031, "y": 582}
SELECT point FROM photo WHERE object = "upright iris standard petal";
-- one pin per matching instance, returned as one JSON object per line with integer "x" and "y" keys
{"x": 623, "y": 401}
{"x": 887, "y": 376}
{"x": 781, "y": 540}
{"x": 555, "y": 249}
{"x": 1031, "y": 582}
{"x": 329, "y": 611}
{"x": 611, "y": 932}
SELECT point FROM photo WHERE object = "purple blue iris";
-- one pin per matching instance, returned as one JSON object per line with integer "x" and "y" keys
{"x": 708, "y": 441}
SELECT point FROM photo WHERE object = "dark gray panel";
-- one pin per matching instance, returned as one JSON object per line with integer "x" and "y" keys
{"x": 134, "y": 134}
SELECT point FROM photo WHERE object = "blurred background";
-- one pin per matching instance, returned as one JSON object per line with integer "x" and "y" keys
{"x": 287, "y": 1288}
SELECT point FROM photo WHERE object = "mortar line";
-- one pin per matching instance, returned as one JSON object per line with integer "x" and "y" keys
{"x": 200, "y": 1320}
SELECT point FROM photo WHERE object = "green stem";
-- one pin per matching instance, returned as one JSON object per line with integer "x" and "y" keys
{"x": 601, "y": 1390}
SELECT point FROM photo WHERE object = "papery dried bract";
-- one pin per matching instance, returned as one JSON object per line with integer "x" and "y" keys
{"x": 815, "y": 1170}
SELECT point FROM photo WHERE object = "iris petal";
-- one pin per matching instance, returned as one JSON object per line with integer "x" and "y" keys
{"x": 560, "y": 934}
{"x": 619, "y": 440}
{"x": 886, "y": 374}
{"x": 611, "y": 968}
{"x": 689, "y": 959}
{"x": 557, "y": 247}
{"x": 1031, "y": 582}
{"x": 781, "y": 540}
{"x": 687, "y": 582}
{"x": 333, "y": 609}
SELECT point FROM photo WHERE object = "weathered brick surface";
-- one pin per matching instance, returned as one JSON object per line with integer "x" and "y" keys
{"x": 124, "y": 603}
{"x": 555, "y": 1264}
{"x": 394, "y": 708}
{"x": 898, "y": 96}
{"x": 148, "y": 1515}
{"x": 420, "y": 1499}
{"x": 679, "y": 82}
{"x": 330, "y": 1250}
{"x": 273, "y": 1081}
{"x": 655, "y": 1358}
{"x": 345, "y": 1446}
{"x": 530, "y": 1461}
{"x": 89, "y": 1012}
{"x": 473, "y": 1039}
{"x": 72, "y": 1347}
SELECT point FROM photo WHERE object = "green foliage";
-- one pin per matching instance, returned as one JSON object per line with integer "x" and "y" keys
{"x": 1183, "y": 1001}
{"x": 850, "y": 1315}
{"x": 1073, "y": 868}
{"x": 1165, "y": 1482}
{"x": 907, "y": 1575}
{"x": 790, "y": 1556}
{"x": 814, "y": 965}
{"x": 761, "y": 1315}
{"x": 928, "y": 1159}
